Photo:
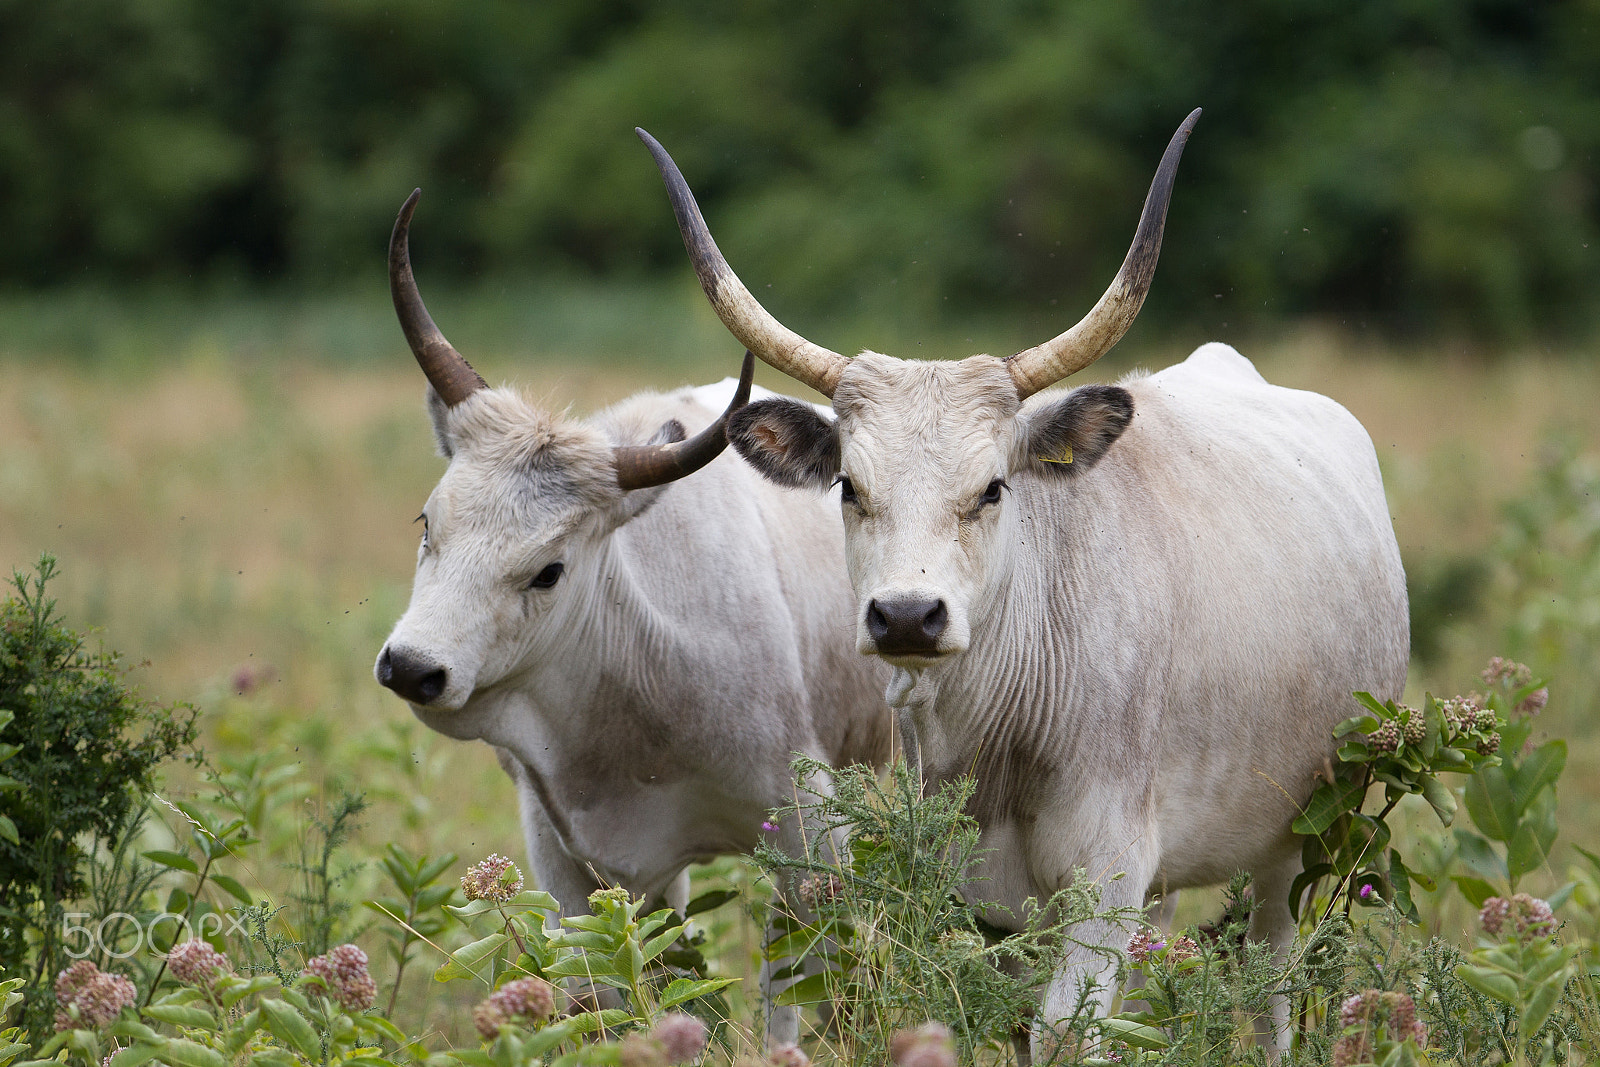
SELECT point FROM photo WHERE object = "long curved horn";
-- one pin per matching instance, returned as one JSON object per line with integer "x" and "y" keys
{"x": 452, "y": 376}
{"x": 641, "y": 466}
{"x": 1042, "y": 366}
{"x": 776, "y": 344}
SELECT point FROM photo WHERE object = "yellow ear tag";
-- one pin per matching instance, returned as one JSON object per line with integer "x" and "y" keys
{"x": 1065, "y": 457}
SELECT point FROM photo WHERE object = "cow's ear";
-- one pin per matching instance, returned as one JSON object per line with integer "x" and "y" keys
{"x": 439, "y": 413}
{"x": 1066, "y": 437}
{"x": 787, "y": 441}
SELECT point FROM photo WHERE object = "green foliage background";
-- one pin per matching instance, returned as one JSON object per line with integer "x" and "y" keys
{"x": 1427, "y": 165}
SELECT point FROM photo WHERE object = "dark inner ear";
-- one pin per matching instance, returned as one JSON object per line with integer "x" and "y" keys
{"x": 787, "y": 441}
{"x": 1067, "y": 437}
{"x": 671, "y": 433}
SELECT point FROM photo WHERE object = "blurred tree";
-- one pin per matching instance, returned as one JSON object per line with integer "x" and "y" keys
{"x": 1422, "y": 165}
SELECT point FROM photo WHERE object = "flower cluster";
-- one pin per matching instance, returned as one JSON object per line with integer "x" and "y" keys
{"x": 495, "y": 879}
{"x": 1530, "y": 917}
{"x": 675, "y": 1038}
{"x": 197, "y": 963}
{"x": 1465, "y": 718}
{"x": 929, "y": 1045}
{"x": 89, "y": 999}
{"x": 523, "y": 1001}
{"x": 1506, "y": 671}
{"x": 1386, "y": 738}
{"x": 782, "y": 1056}
{"x": 343, "y": 973}
{"x": 820, "y": 889}
{"x": 1369, "y": 1013}
{"x": 1144, "y": 946}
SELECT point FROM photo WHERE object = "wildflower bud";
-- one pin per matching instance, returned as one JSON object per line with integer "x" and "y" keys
{"x": 523, "y": 1001}
{"x": 1386, "y": 738}
{"x": 1532, "y": 917}
{"x": 1534, "y": 702}
{"x": 788, "y": 1056}
{"x": 1359, "y": 1007}
{"x": 1492, "y": 915}
{"x": 929, "y": 1045}
{"x": 820, "y": 889}
{"x": 1484, "y": 719}
{"x": 343, "y": 973}
{"x": 682, "y": 1037}
{"x": 1352, "y": 1049}
{"x": 638, "y": 1050}
{"x": 495, "y": 879}
{"x": 1182, "y": 948}
{"x": 1142, "y": 945}
{"x": 1501, "y": 669}
{"x": 607, "y": 896}
{"x": 196, "y": 963}
{"x": 1489, "y": 745}
{"x": 1416, "y": 728}
{"x": 89, "y": 999}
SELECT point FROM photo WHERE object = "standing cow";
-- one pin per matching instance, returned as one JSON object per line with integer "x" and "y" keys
{"x": 1133, "y": 612}
{"x": 646, "y": 655}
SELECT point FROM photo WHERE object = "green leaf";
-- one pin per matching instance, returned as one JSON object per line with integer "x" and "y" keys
{"x": 813, "y": 989}
{"x": 232, "y": 888}
{"x": 1326, "y": 805}
{"x": 1134, "y": 1033}
{"x": 274, "y": 1057}
{"x": 1540, "y": 1003}
{"x": 1491, "y": 804}
{"x": 1441, "y": 797}
{"x": 1479, "y": 856}
{"x": 1489, "y": 983}
{"x": 710, "y": 900}
{"x": 683, "y": 990}
{"x": 132, "y": 1056}
{"x": 1542, "y": 767}
{"x": 1383, "y": 710}
{"x": 258, "y": 984}
{"x": 191, "y": 1015}
{"x": 1302, "y": 882}
{"x": 591, "y": 1022}
{"x": 8, "y": 830}
{"x": 1400, "y": 884}
{"x": 469, "y": 960}
{"x": 1536, "y": 832}
{"x": 176, "y": 860}
{"x": 661, "y": 942}
{"x": 182, "y": 1052}
{"x": 1476, "y": 890}
{"x": 240, "y": 1033}
{"x": 290, "y": 1027}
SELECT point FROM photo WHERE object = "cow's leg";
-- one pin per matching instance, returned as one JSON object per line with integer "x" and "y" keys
{"x": 552, "y": 869}
{"x": 1088, "y": 962}
{"x": 794, "y": 837}
{"x": 1272, "y": 923}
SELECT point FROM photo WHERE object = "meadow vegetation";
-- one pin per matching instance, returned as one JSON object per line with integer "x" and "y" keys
{"x": 229, "y": 489}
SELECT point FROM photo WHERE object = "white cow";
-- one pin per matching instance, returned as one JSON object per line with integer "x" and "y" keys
{"x": 646, "y": 655}
{"x": 1134, "y": 612}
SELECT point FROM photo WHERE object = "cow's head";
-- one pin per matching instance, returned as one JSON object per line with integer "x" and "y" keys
{"x": 514, "y": 534}
{"x": 922, "y": 451}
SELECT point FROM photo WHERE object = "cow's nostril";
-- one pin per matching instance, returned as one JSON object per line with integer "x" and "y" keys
{"x": 934, "y": 622}
{"x": 430, "y": 685}
{"x": 877, "y": 624}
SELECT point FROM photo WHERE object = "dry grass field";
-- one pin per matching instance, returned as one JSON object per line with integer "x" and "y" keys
{"x": 231, "y": 503}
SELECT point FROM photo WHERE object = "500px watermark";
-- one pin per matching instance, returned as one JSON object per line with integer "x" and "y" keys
{"x": 108, "y": 935}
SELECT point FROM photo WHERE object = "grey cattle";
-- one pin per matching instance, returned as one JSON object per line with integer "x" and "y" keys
{"x": 1134, "y": 612}
{"x": 645, "y": 654}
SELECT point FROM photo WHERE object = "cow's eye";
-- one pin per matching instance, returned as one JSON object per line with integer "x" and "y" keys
{"x": 847, "y": 492}
{"x": 547, "y": 577}
{"x": 991, "y": 495}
